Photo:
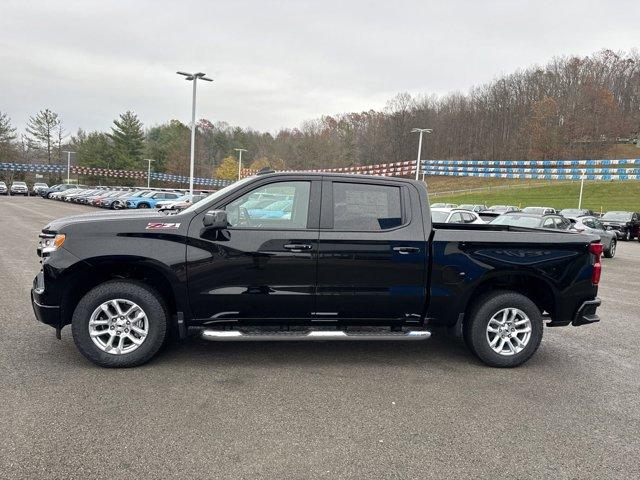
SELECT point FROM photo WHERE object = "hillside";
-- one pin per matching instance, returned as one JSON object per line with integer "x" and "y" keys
{"x": 597, "y": 196}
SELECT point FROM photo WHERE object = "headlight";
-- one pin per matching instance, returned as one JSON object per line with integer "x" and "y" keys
{"x": 51, "y": 243}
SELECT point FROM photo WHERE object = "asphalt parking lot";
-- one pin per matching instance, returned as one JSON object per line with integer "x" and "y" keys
{"x": 315, "y": 410}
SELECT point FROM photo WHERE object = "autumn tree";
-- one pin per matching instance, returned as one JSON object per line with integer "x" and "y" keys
{"x": 267, "y": 162}
{"x": 228, "y": 169}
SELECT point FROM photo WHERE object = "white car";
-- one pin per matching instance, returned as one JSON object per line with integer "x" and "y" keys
{"x": 179, "y": 203}
{"x": 3, "y": 189}
{"x": 39, "y": 186}
{"x": 19, "y": 188}
{"x": 454, "y": 215}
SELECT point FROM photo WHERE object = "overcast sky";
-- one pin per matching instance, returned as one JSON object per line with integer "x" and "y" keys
{"x": 277, "y": 63}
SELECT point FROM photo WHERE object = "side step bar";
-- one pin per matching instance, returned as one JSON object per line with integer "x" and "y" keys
{"x": 238, "y": 336}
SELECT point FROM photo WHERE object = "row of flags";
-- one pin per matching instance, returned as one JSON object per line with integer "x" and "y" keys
{"x": 517, "y": 169}
{"x": 539, "y": 176}
{"x": 107, "y": 172}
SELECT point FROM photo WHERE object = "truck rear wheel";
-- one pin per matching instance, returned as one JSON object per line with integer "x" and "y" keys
{"x": 504, "y": 329}
{"x": 120, "y": 323}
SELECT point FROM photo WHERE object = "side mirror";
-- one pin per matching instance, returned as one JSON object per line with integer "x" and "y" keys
{"x": 215, "y": 219}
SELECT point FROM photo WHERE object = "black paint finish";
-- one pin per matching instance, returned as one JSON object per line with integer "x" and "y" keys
{"x": 411, "y": 274}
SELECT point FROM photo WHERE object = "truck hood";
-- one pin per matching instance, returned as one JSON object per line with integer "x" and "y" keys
{"x": 100, "y": 217}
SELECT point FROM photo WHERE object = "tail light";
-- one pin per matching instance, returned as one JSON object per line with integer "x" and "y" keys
{"x": 596, "y": 250}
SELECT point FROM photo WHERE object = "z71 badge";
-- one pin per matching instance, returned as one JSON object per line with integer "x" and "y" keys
{"x": 157, "y": 226}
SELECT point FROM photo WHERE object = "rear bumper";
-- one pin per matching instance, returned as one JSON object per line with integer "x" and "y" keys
{"x": 587, "y": 313}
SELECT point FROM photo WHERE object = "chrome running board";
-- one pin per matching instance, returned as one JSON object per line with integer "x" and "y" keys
{"x": 314, "y": 335}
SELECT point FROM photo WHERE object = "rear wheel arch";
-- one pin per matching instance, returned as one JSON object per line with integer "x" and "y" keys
{"x": 538, "y": 290}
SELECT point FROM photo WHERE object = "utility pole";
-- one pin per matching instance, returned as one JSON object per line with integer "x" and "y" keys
{"x": 581, "y": 188}
{"x": 421, "y": 131}
{"x": 240, "y": 150}
{"x": 193, "y": 77}
{"x": 68, "y": 164}
{"x": 149, "y": 171}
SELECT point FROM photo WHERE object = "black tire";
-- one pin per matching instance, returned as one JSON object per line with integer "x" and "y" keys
{"x": 137, "y": 292}
{"x": 475, "y": 327}
{"x": 611, "y": 251}
{"x": 626, "y": 236}
{"x": 143, "y": 205}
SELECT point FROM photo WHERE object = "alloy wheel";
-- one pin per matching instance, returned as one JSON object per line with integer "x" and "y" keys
{"x": 118, "y": 326}
{"x": 508, "y": 331}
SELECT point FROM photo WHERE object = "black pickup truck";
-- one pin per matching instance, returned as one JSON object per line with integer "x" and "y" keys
{"x": 286, "y": 256}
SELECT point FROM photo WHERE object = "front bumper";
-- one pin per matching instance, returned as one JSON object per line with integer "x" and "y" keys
{"x": 49, "y": 314}
{"x": 587, "y": 313}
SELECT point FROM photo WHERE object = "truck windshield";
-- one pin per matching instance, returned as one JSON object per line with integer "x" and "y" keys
{"x": 215, "y": 196}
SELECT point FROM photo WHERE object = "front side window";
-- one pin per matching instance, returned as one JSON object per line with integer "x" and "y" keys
{"x": 280, "y": 205}
{"x": 366, "y": 208}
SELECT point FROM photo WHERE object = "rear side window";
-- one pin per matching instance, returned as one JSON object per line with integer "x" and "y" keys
{"x": 366, "y": 208}
{"x": 549, "y": 223}
{"x": 468, "y": 218}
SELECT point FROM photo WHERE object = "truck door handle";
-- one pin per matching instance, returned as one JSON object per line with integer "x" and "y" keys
{"x": 297, "y": 247}
{"x": 406, "y": 250}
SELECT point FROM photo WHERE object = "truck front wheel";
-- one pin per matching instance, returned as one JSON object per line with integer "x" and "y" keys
{"x": 504, "y": 329}
{"x": 120, "y": 323}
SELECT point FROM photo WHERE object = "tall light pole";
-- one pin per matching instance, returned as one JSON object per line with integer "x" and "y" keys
{"x": 240, "y": 150}
{"x": 581, "y": 188}
{"x": 149, "y": 171}
{"x": 421, "y": 130}
{"x": 68, "y": 164}
{"x": 194, "y": 78}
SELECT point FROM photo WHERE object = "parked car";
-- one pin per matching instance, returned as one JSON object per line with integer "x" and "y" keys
{"x": 454, "y": 215}
{"x": 38, "y": 186}
{"x": 576, "y": 212}
{"x": 120, "y": 202}
{"x": 110, "y": 200}
{"x": 358, "y": 259}
{"x": 444, "y": 205}
{"x": 594, "y": 225}
{"x": 179, "y": 203}
{"x": 502, "y": 209}
{"x": 19, "y": 188}
{"x": 149, "y": 200}
{"x": 540, "y": 210}
{"x": 532, "y": 220}
{"x": 471, "y": 207}
{"x": 626, "y": 225}
{"x": 47, "y": 193}
{"x": 3, "y": 189}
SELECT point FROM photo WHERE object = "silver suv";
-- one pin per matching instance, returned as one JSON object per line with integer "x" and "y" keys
{"x": 19, "y": 188}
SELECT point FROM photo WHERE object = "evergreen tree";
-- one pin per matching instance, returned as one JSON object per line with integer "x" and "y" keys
{"x": 128, "y": 141}
{"x": 94, "y": 149}
{"x": 7, "y": 136}
{"x": 44, "y": 133}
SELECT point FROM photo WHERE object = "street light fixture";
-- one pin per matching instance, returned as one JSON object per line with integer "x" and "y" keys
{"x": 421, "y": 130}
{"x": 149, "y": 171}
{"x": 240, "y": 150}
{"x": 68, "y": 164}
{"x": 194, "y": 78}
